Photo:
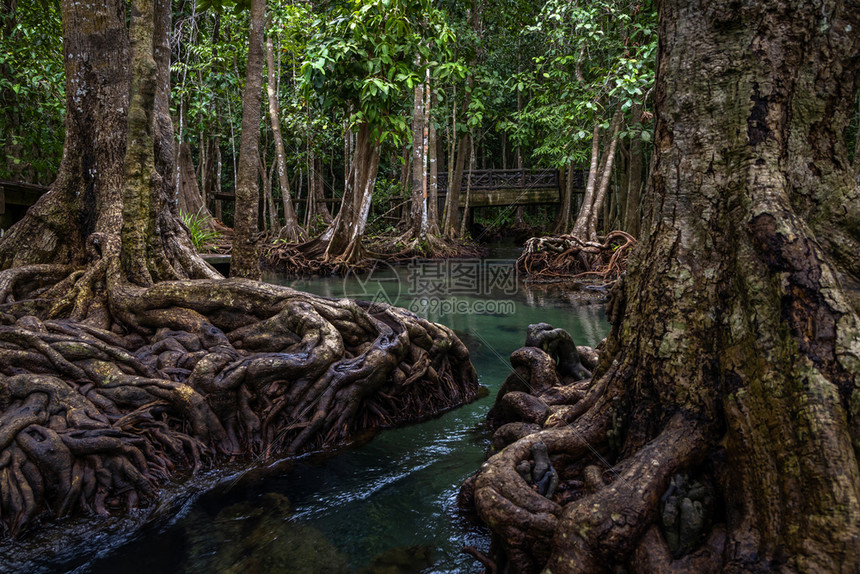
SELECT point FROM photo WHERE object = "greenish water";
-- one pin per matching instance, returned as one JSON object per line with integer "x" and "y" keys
{"x": 390, "y": 504}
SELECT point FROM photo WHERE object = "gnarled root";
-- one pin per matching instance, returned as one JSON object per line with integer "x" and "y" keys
{"x": 548, "y": 372}
{"x": 569, "y": 257}
{"x": 523, "y": 519}
{"x": 602, "y": 513}
{"x": 95, "y": 419}
{"x": 594, "y": 530}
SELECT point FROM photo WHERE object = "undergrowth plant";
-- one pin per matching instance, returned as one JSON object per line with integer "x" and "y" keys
{"x": 201, "y": 233}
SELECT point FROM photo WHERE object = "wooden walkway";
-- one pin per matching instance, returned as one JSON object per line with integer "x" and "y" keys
{"x": 491, "y": 187}
{"x": 499, "y": 187}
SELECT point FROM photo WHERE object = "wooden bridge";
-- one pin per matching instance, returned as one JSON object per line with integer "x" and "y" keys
{"x": 493, "y": 187}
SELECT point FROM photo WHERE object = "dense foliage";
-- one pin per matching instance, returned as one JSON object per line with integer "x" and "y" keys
{"x": 530, "y": 83}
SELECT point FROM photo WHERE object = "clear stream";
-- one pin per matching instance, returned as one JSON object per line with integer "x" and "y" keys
{"x": 388, "y": 505}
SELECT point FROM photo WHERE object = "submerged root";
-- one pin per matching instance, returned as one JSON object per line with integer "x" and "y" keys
{"x": 94, "y": 417}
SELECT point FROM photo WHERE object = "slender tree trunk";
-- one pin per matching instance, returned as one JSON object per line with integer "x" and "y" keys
{"x": 420, "y": 217}
{"x": 348, "y": 227}
{"x": 219, "y": 166}
{"x": 466, "y": 207}
{"x": 580, "y": 227}
{"x": 452, "y": 202}
{"x": 518, "y": 218}
{"x": 291, "y": 230}
{"x": 341, "y": 241}
{"x": 562, "y": 221}
{"x": 245, "y": 261}
{"x": 424, "y": 226}
{"x": 347, "y": 153}
{"x": 605, "y": 176}
{"x": 319, "y": 191}
{"x": 619, "y": 191}
{"x": 417, "y": 212}
{"x": 268, "y": 197}
{"x": 432, "y": 154}
{"x": 451, "y": 132}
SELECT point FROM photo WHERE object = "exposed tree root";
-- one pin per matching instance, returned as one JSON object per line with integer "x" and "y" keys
{"x": 601, "y": 513}
{"x": 97, "y": 414}
{"x": 569, "y": 257}
{"x": 309, "y": 258}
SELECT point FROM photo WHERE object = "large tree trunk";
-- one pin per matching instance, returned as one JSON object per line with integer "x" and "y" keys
{"x": 113, "y": 381}
{"x": 245, "y": 260}
{"x": 80, "y": 203}
{"x": 734, "y": 358}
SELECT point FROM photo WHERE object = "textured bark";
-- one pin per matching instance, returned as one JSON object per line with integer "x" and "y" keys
{"x": 432, "y": 155}
{"x": 473, "y": 160}
{"x": 633, "y": 210}
{"x": 422, "y": 229}
{"x": 734, "y": 357}
{"x": 155, "y": 245}
{"x": 245, "y": 260}
{"x": 80, "y": 203}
